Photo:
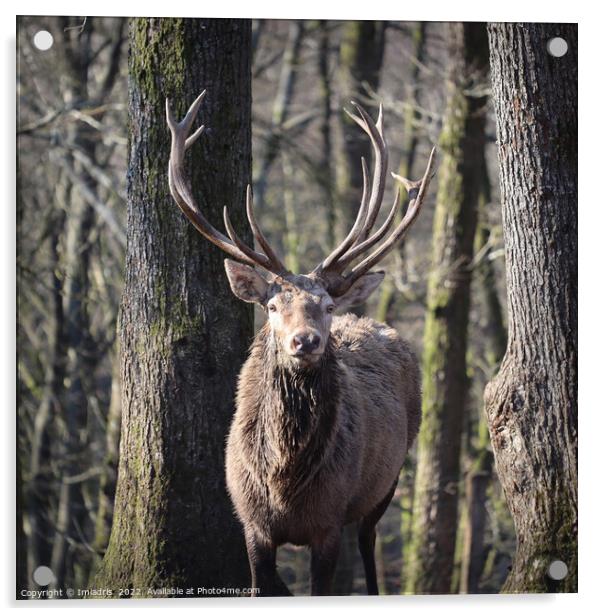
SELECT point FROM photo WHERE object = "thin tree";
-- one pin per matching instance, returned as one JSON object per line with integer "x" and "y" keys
{"x": 478, "y": 480}
{"x": 445, "y": 382}
{"x": 411, "y": 135}
{"x": 280, "y": 109}
{"x": 360, "y": 61}
{"x": 183, "y": 335}
{"x": 532, "y": 402}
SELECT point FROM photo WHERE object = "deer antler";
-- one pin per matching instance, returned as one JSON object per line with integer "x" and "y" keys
{"x": 359, "y": 241}
{"x": 180, "y": 191}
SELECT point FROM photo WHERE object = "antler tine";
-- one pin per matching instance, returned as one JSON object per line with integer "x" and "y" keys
{"x": 180, "y": 191}
{"x": 355, "y": 231}
{"x": 258, "y": 234}
{"x": 381, "y": 159}
{"x": 372, "y": 192}
{"x": 358, "y": 249}
{"x": 410, "y": 216}
{"x": 249, "y": 252}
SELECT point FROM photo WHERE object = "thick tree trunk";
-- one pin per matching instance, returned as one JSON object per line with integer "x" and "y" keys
{"x": 183, "y": 335}
{"x": 532, "y": 402}
{"x": 445, "y": 383}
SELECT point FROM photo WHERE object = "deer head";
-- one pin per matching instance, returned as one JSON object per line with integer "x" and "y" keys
{"x": 300, "y": 307}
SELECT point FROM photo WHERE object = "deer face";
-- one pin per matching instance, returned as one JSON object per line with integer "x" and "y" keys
{"x": 299, "y": 308}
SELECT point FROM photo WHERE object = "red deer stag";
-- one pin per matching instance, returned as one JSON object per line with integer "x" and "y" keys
{"x": 327, "y": 406}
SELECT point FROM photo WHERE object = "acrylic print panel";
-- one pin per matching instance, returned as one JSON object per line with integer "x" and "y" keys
{"x": 307, "y": 393}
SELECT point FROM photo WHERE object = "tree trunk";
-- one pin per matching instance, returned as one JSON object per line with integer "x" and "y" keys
{"x": 108, "y": 479}
{"x": 40, "y": 491}
{"x": 280, "y": 110}
{"x": 68, "y": 553}
{"x": 532, "y": 402}
{"x": 360, "y": 61}
{"x": 406, "y": 167}
{"x": 183, "y": 335}
{"x": 481, "y": 471}
{"x": 445, "y": 382}
{"x": 326, "y": 171}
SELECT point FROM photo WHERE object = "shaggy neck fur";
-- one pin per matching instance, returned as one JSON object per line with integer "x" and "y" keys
{"x": 297, "y": 413}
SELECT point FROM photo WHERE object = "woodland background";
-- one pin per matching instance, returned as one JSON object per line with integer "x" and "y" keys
{"x": 87, "y": 286}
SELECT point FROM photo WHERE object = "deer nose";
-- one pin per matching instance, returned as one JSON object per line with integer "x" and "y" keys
{"x": 306, "y": 342}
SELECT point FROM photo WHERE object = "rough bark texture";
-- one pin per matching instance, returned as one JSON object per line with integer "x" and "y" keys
{"x": 183, "y": 335}
{"x": 445, "y": 382}
{"x": 532, "y": 402}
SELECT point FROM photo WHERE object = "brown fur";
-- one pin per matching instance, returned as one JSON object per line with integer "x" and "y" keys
{"x": 314, "y": 448}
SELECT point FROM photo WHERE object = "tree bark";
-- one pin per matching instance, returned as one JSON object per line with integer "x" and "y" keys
{"x": 532, "y": 402}
{"x": 183, "y": 335}
{"x": 445, "y": 382}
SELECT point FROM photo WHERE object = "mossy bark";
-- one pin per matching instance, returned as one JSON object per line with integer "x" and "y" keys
{"x": 360, "y": 61}
{"x": 445, "y": 383}
{"x": 183, "y": 335}
{"x": 386, "y": 301}
{"x": 478, "y": 480}
{"x": 532, "y": 402}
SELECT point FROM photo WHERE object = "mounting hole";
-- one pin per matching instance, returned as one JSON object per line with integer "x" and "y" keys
{"x": 43, "y": 40}
{"x": 557, "y": 47}
{"x": 43, "y": 576}
{"x": 558, "y": 570}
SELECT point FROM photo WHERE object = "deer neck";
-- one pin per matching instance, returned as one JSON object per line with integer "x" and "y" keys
{"x": 299, "y": 412}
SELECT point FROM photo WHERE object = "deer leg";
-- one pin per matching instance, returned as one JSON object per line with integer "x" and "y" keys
{"x": 324, "y": 555}
{"x": 265, "y": 580}
{"x": 367, "y": 538}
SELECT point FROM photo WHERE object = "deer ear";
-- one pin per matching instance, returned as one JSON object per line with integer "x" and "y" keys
{"x": 245, "y": 282}
{"x": 360, "y": 290}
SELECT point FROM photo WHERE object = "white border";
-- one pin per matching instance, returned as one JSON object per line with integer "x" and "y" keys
{"x": 589, "y": 313}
